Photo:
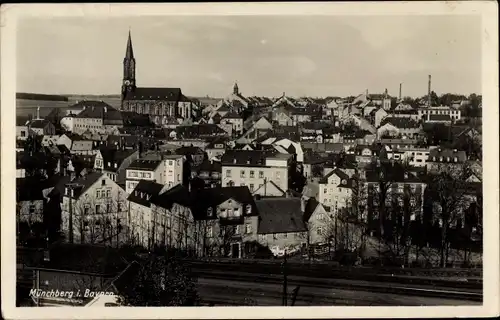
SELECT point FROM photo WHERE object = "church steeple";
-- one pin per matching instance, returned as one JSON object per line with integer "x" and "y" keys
{"x": 129, "y": 54}
{"x": 236, "y": 90}
{"x": 128, "y": 68}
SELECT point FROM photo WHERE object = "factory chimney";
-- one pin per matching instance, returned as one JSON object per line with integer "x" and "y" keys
{"x": 38, "y": 112}
{"x": 400, "y": 89}
{"x": 429, "y": 102}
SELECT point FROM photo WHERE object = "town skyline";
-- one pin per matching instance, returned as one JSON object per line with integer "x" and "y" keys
{"x": 207, "y": 56}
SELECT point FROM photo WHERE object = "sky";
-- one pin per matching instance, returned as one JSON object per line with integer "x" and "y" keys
{"x": 267, "y": 55}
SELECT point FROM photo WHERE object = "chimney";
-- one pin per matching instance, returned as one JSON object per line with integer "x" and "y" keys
{"x": 38, "y": 112}
{"x": 429, "y": 92}
{"x": 400, "y": 90}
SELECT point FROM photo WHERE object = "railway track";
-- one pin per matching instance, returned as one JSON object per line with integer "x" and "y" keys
{"x": 348, "y": 284}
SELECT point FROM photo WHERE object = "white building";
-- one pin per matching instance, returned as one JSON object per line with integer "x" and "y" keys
{"x": 95, "y": 207}
{"x": 255, "y": 168}
{"x": 150, "y": 170}
{"x": 335, "y": 190}
{"x": 453, "y": 113}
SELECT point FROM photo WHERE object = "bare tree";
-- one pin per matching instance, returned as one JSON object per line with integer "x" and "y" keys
{"x": 449, "y": 190}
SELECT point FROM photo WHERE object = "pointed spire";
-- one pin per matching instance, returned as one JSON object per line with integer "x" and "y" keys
{"x": 236, "y": 90}
{"x": 130, "y": 52}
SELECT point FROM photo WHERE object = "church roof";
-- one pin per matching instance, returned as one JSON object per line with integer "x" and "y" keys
{"x": 166, "y": 94}
{"x": 129, "y": 54}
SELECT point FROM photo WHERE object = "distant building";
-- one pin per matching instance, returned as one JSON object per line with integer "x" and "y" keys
{"x": 159, "y": 103}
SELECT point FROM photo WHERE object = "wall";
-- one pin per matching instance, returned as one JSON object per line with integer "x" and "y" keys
{"x": 278, "y": 175}
{"x": 34, "y": 215}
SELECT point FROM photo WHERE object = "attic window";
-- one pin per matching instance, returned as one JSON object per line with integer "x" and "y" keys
{"x": 116, "y": 166}
{"x": 103, "y": 182}
{"x": 455, "y": 159}
{"x": 148, "y": 196}
{"x": 249, "y": 209}
{"x": 344, "y": 181}
{"x": 209, "y": 212}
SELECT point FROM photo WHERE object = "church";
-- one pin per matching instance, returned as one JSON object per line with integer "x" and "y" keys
{"x": 161, "y": 104}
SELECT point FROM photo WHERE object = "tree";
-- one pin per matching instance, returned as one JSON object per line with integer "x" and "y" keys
{"x": 448, "y": 189}
{"x": 160, "y": 281}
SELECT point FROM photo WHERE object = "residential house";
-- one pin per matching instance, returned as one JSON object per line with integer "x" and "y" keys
{"x": 196, "y": 154}
{"x": 390, "y": 181}
{"x": 439, "y": 157}
{"x": 173, "y": 165}
{"x": 316, "y": 217}
{"x": 399, "y": 127}
{"x": 93, "y": 210}
{"x": 210, "y": 172}
{"x": 215, "y": 148}
{"x": 335, "y": 190}
{"x": 113, "y": 162}
{"x": 410, "y": 114}
{"x": 281, "y": 224}
{"x": 379, "y": 115}
{"x": 399, "y": 143}
{"x": 50, "y": 140}
{"x": 30, "y": 200}
{"x": 77, "y": 144}
{"x": 255, "y": 168}
{"x": 416, "y": 157}
{"x": 22, "y": 129}
{"x": 227, "y": 221}
{"x": 235, "y": 120}
{"x": 140, "y": 169}
{"x": 42, "y": 127}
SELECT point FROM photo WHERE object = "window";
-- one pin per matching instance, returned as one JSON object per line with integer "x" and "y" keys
{"x": 169, "y": 172}
{"x": 242, "y": 173}
{"x": 237, "y": 229}
{"x": 210, "y": 231}
{"x": 228, "y": 173}
{"x": 103, "y": 182}
{"x": 249, "y": 209}
{"x": 86, "y": 209}
{"x": 275, "y": 237}
{"x": 178, "y": 177}
{"x": 98, "y": 194}
{"x": 170, "y": 163}
{"x": 261, "y": 174}
{"x": 97, "y": 208}
{"x": 32, "y": 208}
{"x": 209, "y": 212}
{"x": 252, "y": 173}
{"x": 108, "y": 193}
{"x": 223, "y": 213}
{"x": 248, "y": 228}
{"x": 325, "y": 190}
{"x": 251, "y": 187}
{"x": 455, "y": 159}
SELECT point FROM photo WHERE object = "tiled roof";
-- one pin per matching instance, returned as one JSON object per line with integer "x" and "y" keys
{"x": 199, "y": 131}
{"x": 186, "y": 150}
{"x": 210, "y": 166}
{"x": 39, "y": 123}
{"x": 165, "y": 94}
{"x": 81, "y": 184}
{"x": 178, "y": 194}
{"x": 446, "y": 154}
{"x": 283, "y": 192}
{"x": 112, "y": 156}
{"x": 144, "y": 191}
{"x": 403, "y": 123}
{"x": 280, "y": 215}
{"x": 98, "y": 109}
{"x": 211, "y": 198}
{"x": 134, "y": 119}
{"x": 245, "y": 157}
{"x": 311, "y": 205}
{"x": 390, "y": 171}
{"x": 342, "y": 175}
{"x": 141, "y": 164}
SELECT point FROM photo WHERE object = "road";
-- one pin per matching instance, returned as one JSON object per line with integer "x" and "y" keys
{"x": 233, "y": 292}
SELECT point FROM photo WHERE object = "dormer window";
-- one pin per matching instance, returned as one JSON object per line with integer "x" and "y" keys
{"x": 249, "y": 209}
{"x": 116, "y": 165}
{"x": 455, "y": 159}
{"x": 209, "y": 212}
{"x": 440, "y": 159}
{"x": 344, "y": 181}
{"x": 109, "y": 164}
{"x": 66, "y": 191}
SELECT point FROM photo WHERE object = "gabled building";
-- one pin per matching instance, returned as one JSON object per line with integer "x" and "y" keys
{"x": 226, "y": 221}
{"x": 281, "y": 224}
{"x": 93, "y": 210}
{"x": 42, "y": 127}
{"x": 335, "y": 190}
{"x": 399, "y": 127}
{"x": 439, "y": 157}
{"x": 151, "y": 170}
{"x": 255, "y": 168}
{"x": 113, "y": 162}
{"x": 76, "y": 144}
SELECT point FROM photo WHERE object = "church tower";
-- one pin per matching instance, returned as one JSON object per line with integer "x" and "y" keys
{"x": 128, "y": 83}
{"x": 236, "y": 90}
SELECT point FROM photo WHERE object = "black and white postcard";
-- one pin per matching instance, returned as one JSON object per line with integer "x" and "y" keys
{"x": 316, "y": 159}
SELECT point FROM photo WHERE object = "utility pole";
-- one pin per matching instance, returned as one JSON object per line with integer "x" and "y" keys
{"x": 70, "y": 223}
{"x": 284, "y": 265}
